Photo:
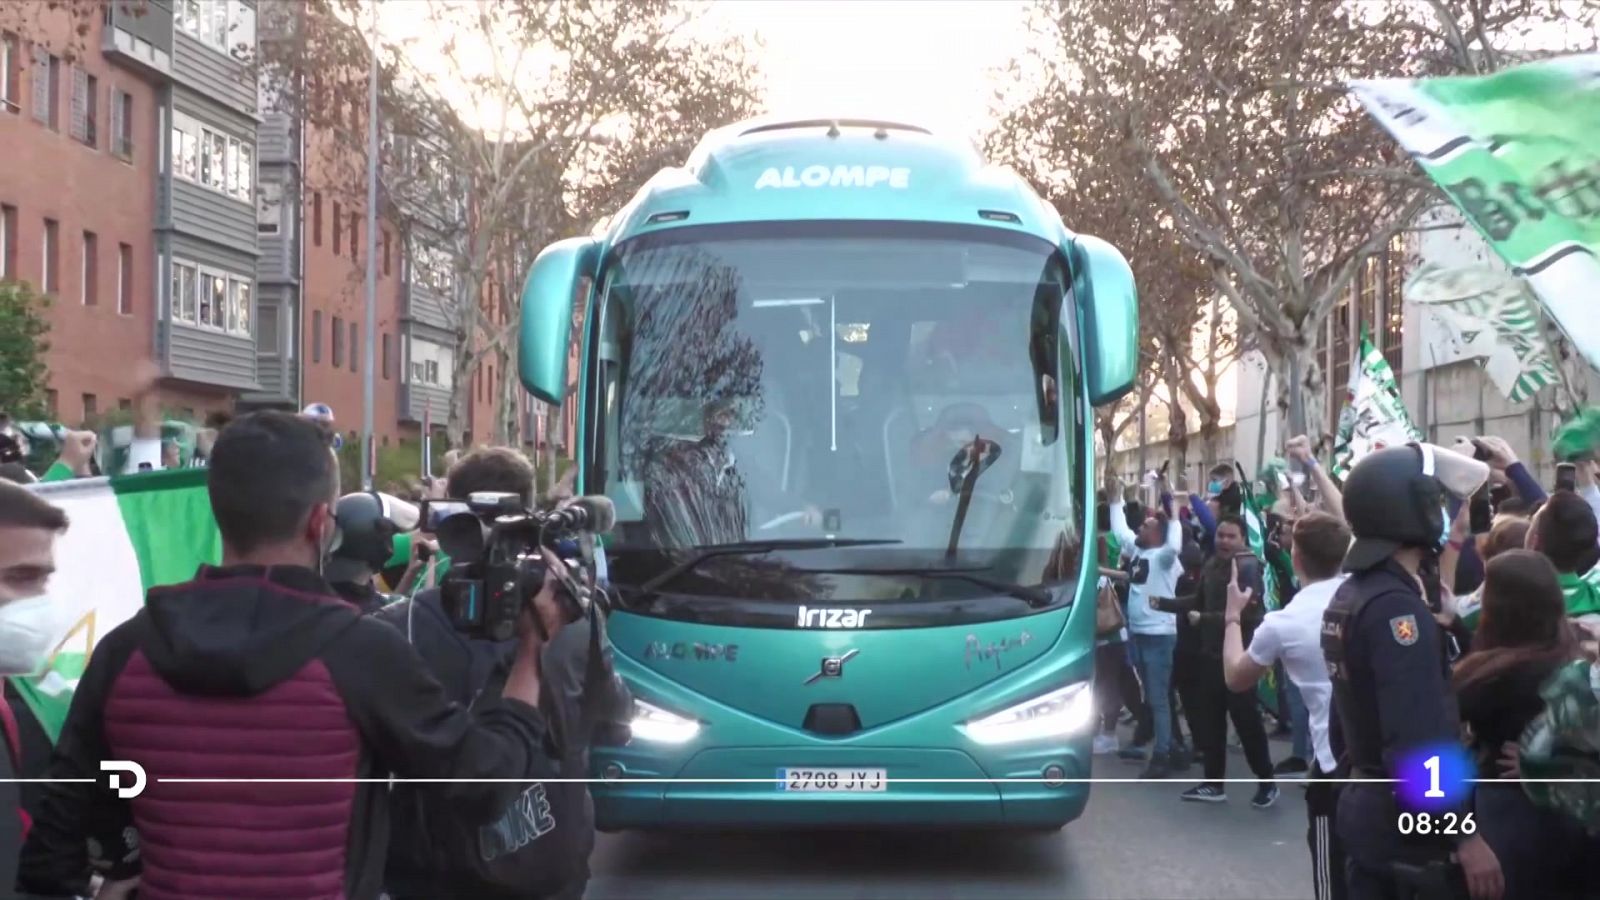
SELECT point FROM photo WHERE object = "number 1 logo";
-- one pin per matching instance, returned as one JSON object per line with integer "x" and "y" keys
{"x": 1432, "y": 765}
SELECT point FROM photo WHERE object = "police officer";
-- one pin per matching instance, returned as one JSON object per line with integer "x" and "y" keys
{"x": 1391, "y": 679}
{"x": 368, "y": 522}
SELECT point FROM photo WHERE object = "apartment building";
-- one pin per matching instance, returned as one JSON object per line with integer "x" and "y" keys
{"x": 175, "y": 210}
{"x": 82, "y": 146}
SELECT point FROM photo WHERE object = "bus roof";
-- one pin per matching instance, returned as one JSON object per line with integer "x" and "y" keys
{"x": 788, "y": 169}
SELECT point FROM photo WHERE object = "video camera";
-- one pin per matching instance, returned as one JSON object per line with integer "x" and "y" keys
{"x": 498, "y": 550}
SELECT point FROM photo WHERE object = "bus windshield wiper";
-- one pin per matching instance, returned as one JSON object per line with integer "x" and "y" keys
{"x": 1036, "y": 597}
{"x": 742, "y": 548}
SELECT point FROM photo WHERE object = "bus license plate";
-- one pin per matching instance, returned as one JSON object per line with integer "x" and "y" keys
{"x": 833, "y": 781}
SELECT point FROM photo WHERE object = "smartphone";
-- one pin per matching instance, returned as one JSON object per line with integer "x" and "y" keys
{"x": 1479, "y": 451}
{"x": 1480, "y": 513}
{"x": 1249, "y": 568}
{"x": 434, "y": 512}
{"x": 1567, "y": 476}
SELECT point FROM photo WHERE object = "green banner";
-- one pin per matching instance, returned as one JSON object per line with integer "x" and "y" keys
{"x": 1519, "y": 153}
{"x": 1374, "y": 415}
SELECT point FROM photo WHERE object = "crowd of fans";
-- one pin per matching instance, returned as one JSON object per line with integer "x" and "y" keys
{"x": 1517, "y": 605}
{"x": 258, "y": 661}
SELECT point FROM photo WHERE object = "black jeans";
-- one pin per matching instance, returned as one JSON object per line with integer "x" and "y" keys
{"x": 1215, "y": 705}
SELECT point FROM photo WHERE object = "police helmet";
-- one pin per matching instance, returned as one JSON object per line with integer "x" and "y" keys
{"x": 367, "y": 522}
{"x": 1395, "y": 498}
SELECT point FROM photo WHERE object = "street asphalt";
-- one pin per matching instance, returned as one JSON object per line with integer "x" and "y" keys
{"x": 1135, "y": 841}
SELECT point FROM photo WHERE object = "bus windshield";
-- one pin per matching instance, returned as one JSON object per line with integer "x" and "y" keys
{"x": 899, "y": 383}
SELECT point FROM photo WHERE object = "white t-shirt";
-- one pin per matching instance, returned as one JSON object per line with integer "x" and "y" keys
{"x": 1293, "y": 635}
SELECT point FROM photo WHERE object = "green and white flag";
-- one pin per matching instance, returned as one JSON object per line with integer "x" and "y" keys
{"x": 126, "y": 534}
{"x": 1519, "y": 153}
{"x": 1374, "y": 416}
{"x": 1488, "y": 314}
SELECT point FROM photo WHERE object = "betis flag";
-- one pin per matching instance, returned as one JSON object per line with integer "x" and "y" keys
{"x": 1518, "y": 153}
{"x": 1374, "y": 416}
{"x": 1488, "y": 314}
{"x": 127, "y": 533}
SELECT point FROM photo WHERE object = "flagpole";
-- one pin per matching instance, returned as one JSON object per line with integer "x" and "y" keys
{"x": 367, "y": 381}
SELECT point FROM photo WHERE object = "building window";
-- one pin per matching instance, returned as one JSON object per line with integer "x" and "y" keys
{"x": 338, "y": 342}
{"x": 210, "y": 298}
{"x": 8, "y": 243}
{"x": 125, "y": 279}
{"x": 122, "y": 124}
{"x": 91, "y": 406}
{"x": 50, "y": 253}
{"x": 338, "y": 225}
{"x": 213, "y": 159}
{"x": 1391, "y": 330}
{"x": 388, "y": 370}
{"x": 316, "y": 335}
{"x": 433, "y": 270}
{"x": 85, "y": 97}
{"x": 354, "y": 354}
{"x": 386, "y": 251}
{"x": 316, "y": 218}
{"x": 355, "y": 236}
{"x": 91, "y": 269}
{"x": 125, "y": 404}
{"x": 10, "y": 59}
{"x": 46, "y": 78}
{"x": 227, "y": 26}
{"x": 269, "y": 209}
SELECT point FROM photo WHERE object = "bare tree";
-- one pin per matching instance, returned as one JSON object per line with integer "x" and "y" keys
{"x": 1236, "y": 113}
{"x": 523, "y": 118}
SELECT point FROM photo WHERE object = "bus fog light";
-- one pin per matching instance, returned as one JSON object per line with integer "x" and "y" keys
{"x": 1059, "y": 713}
{"x": 654, "y": 724}
{"x": 1054, "y": 775}
{"x": 611, "y": 772}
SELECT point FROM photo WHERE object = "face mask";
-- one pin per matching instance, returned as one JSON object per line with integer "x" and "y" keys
{"x": 28, "y": 630}
{"x": 1214, "y": 488}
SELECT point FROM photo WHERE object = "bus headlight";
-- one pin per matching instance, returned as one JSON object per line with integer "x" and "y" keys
{"x": 652, "y": 723}
{"x": 1056, "y": 714}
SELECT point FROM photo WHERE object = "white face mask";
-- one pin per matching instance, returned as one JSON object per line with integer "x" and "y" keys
{"x": 28, "y": 631}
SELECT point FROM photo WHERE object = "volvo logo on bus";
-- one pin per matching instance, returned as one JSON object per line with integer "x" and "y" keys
{"x": 897, "y": 177}
{"x": 832, "y": 618}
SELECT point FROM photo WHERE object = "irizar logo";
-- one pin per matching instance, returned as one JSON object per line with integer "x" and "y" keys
{"x": 897, "y": 177}
{"x": 832, "y": 618}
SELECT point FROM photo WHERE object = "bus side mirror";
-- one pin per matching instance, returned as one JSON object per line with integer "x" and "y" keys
{"x": 1102, "y": 282}
{"x": 547, "y": 301}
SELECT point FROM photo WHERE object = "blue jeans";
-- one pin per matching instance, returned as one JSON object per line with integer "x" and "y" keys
{"x": 1152, "y": 657}
{"x": 1299, "y": 718}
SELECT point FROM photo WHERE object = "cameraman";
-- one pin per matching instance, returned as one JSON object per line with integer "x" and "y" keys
{"x": 257, "y": 669}
{"x": 433, "y": 852}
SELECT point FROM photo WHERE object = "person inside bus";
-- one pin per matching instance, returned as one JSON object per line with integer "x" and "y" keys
{"x": 933, "y": 451}
{"x": 699, "y": 492}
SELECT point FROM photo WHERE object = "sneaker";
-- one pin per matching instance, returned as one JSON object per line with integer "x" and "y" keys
{"x": 1266, "y": 795}
{"x": 1132, "y": 753}
{"x": 1157, "y": 768}
{"x": 1205, "y": 793}
{"x": 1105, "y": 744}
{"x": 1293, "y": 767}
{"x": 1180, "y": 758}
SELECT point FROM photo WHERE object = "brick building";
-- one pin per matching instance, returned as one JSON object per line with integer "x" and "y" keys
{"x": 174, "y": 210}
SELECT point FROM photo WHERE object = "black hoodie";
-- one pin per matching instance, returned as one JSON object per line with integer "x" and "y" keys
{"x": 257, "y": 673}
